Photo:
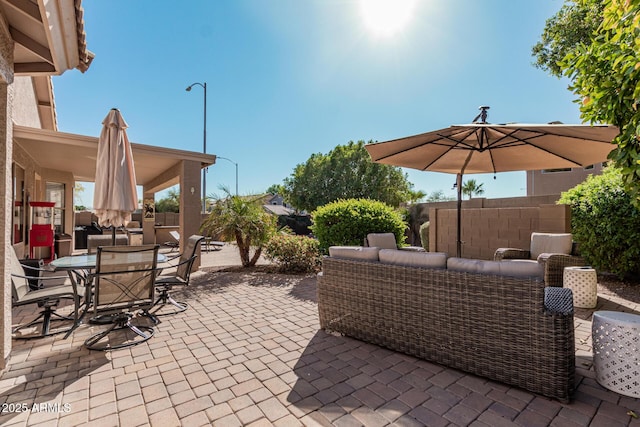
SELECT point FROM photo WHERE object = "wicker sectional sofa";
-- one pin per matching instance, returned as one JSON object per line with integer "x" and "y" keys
{"x": 505, "y": 328}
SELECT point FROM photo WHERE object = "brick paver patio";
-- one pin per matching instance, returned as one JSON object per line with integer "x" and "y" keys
{"x": 249, "y": 352}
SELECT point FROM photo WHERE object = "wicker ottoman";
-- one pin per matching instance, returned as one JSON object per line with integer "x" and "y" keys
{"x": 583, "y": 281}
{"x": 616, "y": 346}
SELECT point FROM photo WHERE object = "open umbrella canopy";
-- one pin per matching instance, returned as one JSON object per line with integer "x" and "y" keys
{"x": 490, "y": 148}
{"x": 115, "y": 195}
{"x": 481, "y": 147}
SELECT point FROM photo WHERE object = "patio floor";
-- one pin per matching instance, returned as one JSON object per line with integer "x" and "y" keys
{"x": 249, "y": 352}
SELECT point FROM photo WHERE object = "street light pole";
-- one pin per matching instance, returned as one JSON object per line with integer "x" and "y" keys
{"x": 204, "y": 147}
{"x": 224, "y": 158}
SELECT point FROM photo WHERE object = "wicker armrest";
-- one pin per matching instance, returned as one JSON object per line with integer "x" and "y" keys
{"x": 510, "y": 253}
{"x": 554, "y": 265}
{"x": 558, "y": 301}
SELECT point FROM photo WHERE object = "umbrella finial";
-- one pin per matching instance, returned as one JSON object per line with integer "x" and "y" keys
{"x": 483, "y": 114}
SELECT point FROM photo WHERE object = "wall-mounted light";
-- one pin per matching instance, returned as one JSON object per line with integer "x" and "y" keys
{"x": 193, "y": 191}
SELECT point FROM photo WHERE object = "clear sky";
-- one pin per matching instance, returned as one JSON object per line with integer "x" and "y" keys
{"x": 289, "y": 78}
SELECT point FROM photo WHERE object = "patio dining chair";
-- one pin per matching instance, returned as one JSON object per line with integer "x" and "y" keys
{"x": 180, "y": 276}
{"x": 123, "y": 283}
{"x": 46, "y": 297}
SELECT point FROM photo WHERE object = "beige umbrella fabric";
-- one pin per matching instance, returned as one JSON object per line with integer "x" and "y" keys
{"x": 115, "y": 195}
{"x": 490, "y": 148}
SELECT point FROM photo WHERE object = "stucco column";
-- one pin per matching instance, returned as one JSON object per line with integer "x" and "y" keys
{"x": 6, "y": 210}
{"x": 148, "y": 225}
{"x": 190, "y": 202}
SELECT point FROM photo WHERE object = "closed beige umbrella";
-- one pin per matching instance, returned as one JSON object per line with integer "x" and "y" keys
{"x": 482, "y": 147}
{"x": 115, "y": 195}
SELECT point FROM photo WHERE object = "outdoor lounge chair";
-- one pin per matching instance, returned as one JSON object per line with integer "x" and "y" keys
{"x": 180, "y": 277}
{"x": 175, "y": 243}
{"x": 47, "y": 297}
{"x": 554, "y": 250}
{"x": 124, "y": 282}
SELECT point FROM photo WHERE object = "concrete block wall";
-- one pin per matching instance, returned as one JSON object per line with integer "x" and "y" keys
{"x": 488, "y": 226}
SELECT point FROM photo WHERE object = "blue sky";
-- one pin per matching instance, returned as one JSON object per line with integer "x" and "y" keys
{"x": 289, "y": 78}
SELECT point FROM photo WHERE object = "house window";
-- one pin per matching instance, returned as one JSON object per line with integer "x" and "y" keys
{"x": 556, "y": 170}
{"x": 55, "y": 193}
{"x": 588, "y": 167}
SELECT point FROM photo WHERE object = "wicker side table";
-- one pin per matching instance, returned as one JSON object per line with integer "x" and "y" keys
{"x": 583, "y": 281}
{"x": 616, "y": 351}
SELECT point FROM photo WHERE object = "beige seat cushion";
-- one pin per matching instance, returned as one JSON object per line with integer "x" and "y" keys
{"x": 354, "y": 252}
{"x": 382, "y": 240}
{"x": 413, "y": 259}
{"x": 511, "y": 268}
{"x": 554, "y": 243}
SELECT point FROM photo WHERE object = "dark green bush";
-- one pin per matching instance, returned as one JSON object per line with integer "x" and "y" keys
{"x": 347, "y": 222}
{"x": 605, "y": 223}
{"x": 293, "y": 254}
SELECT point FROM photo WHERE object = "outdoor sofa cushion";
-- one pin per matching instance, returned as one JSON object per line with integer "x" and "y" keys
{"x": 413, "y": 259}
{"x": 555, "y": 243}
{"x": 354, "y": 252}
{"x": 382, "y": 240}
{"x": 512, "y": 268}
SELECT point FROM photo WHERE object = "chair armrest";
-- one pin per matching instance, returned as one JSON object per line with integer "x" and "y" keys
{"x": 510, "y": 253}
{"x": 558, "y": 301}
{"x": 40, "y": 278}
{"x": 554, "y": 265}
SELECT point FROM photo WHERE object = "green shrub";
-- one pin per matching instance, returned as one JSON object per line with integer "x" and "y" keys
{"x": 605, "y": 223}
{"x": 293, "y": 254}
{"x": 347, "y": 222}
{"x": 424, "y": 235}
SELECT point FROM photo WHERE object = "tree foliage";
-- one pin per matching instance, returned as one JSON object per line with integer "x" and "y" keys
{"x": 573, "y": 25}
{"x": 244, "y": 220}
{"x": 605, "y": 75}
{"x": 346, "y": 172}
{"x": 472, "y": 188}
{"x": 605, "y": 223}
{"x": 171, "y": 203}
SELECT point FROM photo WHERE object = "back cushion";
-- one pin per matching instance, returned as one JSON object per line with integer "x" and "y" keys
{"x": 382, "y": 240}
{"x": 555, "y": 243}
{"x": 413, "y": 259}
{"x": 354, "y": 252}
{"x": 521, "y": 268}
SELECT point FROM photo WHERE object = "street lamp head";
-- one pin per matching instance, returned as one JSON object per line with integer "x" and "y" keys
{"x": 204, "y": 86}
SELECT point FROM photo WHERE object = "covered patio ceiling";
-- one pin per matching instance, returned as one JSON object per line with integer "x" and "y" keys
{"x": 76, "y": 154}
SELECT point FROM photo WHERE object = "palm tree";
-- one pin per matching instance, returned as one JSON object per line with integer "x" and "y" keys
{"x": 243, "y": 219}
{"x": 472, "y": 188}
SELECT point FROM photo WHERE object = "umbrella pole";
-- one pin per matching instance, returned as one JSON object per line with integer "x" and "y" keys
{"x": 459, "y": 224}
{"x": 113, "y": 235}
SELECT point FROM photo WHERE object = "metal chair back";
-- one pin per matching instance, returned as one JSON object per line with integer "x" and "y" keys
{"x": 189, "y": 254}
{"x": 124, "y": 277}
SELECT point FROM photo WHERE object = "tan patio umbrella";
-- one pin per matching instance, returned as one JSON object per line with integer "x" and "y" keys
{"x": 115, "y": 195}
{"x": 481, "y": 147}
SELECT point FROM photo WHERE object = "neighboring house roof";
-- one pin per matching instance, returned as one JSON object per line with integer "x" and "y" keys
{"x": 279, "y": 209}
{"x": 49, "y": 36}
